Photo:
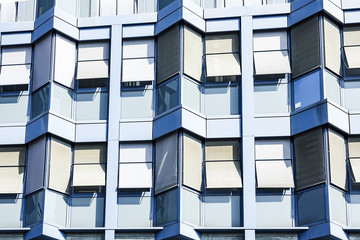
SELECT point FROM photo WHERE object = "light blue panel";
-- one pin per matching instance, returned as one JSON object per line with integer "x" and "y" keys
{"x": 221, "y": 101}
{"x": 12, "y": 135}
{"x": 193, "y": 19}
{"x": 37, "y": 128}
{"x": 34, "y": 208}
{"x": 10, "y": 216}
{"x": 307, "y": 90}
{"x": 272, "y": 98}
{"x": 273, "y": 9}
{"x": 91, "y": 106}
{"x": 66, "y": 28}
{"x": 52, "y": 232}
{"x": 189, "y": 232}
{"x": 136, "y": 131}
{"x": 354, "y": 120}
{"x": 194, "y": 6}
{"x": 354, "y": 210}
{"x": 167, "y": 123}
{"x": 232, "y": 24}
{"x": 274, "y": 211}
{"x": 92, "y": 132}
{"x": 15, "y": 27}
{"x": 62, "y": 101}
{"x": 223, "y": 128}
{"x": 61, "y": 127}
{"x": 270, "y": 22}
{"x": 87, "y": 212}
{"x": 168, "y": 20}
{"x": 40, "y": 101}
{"x": 305, "y": 12}
{"x": 338, "y": 117}
{"x": 94, "y": 34}
{"x": 310, "y": 211}
{"x": 190, "y": 207}
{"x": 337, "y": 206}
{"x": 309, "y": 118}
{"x": 55, "y": 208}
{"x": 42, "y": 29}
{"x": 334, "y": 11}
{"x": 193, "y": 122}
{"x": 134, "y": 211}
{"x": 280, "y": 126}
{"x": 137, "y": 104}
{"x": 224, "y": 12}
{"x": 352, "y": 95}
{"x": 191, "y": 95}
{"x": 146, "y": 30}
{"x": 15, "y": 38}
{"x": 332, "y": 87}
{"x": 221, "y": 211}
{"x": 349, "y": 4}
{"x": 15, "y": 107}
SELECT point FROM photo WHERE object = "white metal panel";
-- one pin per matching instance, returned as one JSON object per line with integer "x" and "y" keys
{"x": 98, "y": 50}
{"x": 16, "y": 55}
{"x": 89, "y": 175}
{"x": 137, "y": 152}
{"x": 15, "y": 74}
{"x": 65, "y": 61}
{"x": 11, "y": 180}
{"x": 274, "y": 62}
{"x": 93, "y": 69}
{"x": 352, "y": 56}
{"x": 135, "y": 175}
{"x": 192, "y": 162}
{"x": 8, "y": 12}
{"x": 140, "y": 48}
{"x": 224, "y": 174}
{"x": 107, "y": 8}
{"x": 193, "y": 53}
{"x": 272, "y": 149}
{"x": 125, "y": 7}
{"x": 141, "y": 69}
{"x": 223, "y": 65}
{"x": 224, "y": 43}
{"x": 270, "y": 40}
{"x": 90, "y": 153}
{"x": 351, "y": 35}
{"x": 332, "y": 46}
{"x": 274, "y": 174}
{"x": 12, "y": 156}
{"x": 355, "y": 167}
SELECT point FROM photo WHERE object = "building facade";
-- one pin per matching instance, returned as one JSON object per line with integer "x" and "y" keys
{"x": 180, "y": 119}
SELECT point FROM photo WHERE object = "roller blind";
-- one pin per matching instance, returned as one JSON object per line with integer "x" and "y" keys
{"x": 192, "y": 162}
{"x": 135, "y": 175}
{"x": 305, "y": 46}
{"x": 136, "y": 152}
{"x": 270, "y": 41}
{"x": 355, "y": 168}
{"x": 222, "y": 43}
{"x": 15, "y": 74}
{"x": 332, "y": 46}
{"x": 223, "y": 65}
{"x": 274, "y": 174}
{"x": 352, "y": 57}
{"x": 168, "y": 54}
{"x": 93, "y": 51}
{"x": 193, "y": 53}
{"x": 309, "y": 158}
{"x": 142, "y": 69}
{"x": 141, "y": 48}
{"x": 354, "y": 147}
{"x": 16, "y": 55}
{"x": 337, "y": 154}
{"x": 223, "y": 174}
{"x": 42, "y": 61}
{"x": 12, "y": 156}
{"x": 89, "y": 154}
{"x": 225, "y": 150}
{"x": 89, "y": 175}
{"x": 272, "y": 62}
{"x": 35, "y": 165}
{"x": 351, "y": 35}
{"x": 60, "y": 165}
{"x": 93, "y": 69}
{"x": 166, "y": 163}
{"x": 272, "y": 149}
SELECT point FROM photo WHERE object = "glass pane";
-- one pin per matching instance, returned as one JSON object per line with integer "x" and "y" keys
{"x": 191, "y": 207}
{"x": 352, "y": 95}
{"x": 92, "y": 106}
{"x": 221, "y": 100}
{"x": 26, "y": 10}
{"x": 67, "y": 5}
{"x": 168, "y": 96}
{"x": 332, "y": 87}
{"x": 34, "y": 208}
{"x": 40, "y": 102}
{"x": 306, "y": 90}
{"x": 15, "y": 107}
{"x": 209, "y": 4}
{"x": 192, "y": 95}
{"x": 137, "y": 104}
{"x": 354, "y": 210}
{"x": 164, "y": 3}
{"x": 62, "y": 101}
{"x": 222, "y": 211}
{"x": 310, "y": 211}
{"x": 87, "y": 212}
{"x": 56, "y": 208}
{"x": 271, "y": 98}
{"x": 338, "y": 206}
{"x": 166, "y": 207}
{"x": 134, "y": 211}
{"x": 10, "y": 216}
{"x": 43, "y": 6}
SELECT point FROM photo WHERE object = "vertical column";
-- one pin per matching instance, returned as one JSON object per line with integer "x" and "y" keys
{"x": 113, "y": 132}
{"x": 247, "y": 83}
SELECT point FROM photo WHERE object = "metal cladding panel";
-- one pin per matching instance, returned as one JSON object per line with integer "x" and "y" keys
{"x": 168, "y": 54}
{"x": 305, "y": 46}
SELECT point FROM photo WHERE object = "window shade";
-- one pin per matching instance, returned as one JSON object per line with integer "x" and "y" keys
{"x": 309, "y": 158}
{"x": 16, "y": 55}
{"x": 136, "y": 152}
{"x": 193, "y": 52}
{"x": 93, "y": 51}
{"x": 15, "y": 75}
{"x": 224, "y": 43}
{"x": 225, "y": 150}
{"x": 168, "y": 54}
{"x": 60, "y": 165}
{"x": 351, "y": 35}
{"x": 332, "y": 46}
{"x": 131, "y": 70}
{"x": 354, "y": 147}
{"x": 274, "y": 174}
{"x": 166, "y": 163}
{"x": 35, "y": 165}
{"x": 337, "y": 156}
{"x": 42, "y": 61}
{"x": 305, "y": 46}
{"x": 192, "y": 162}
{"x": 12, "y": 156}
{"x": 355, "y": 168}
{"x": 272, "y": 62}
{"x": 223, "y": 174}
{"x": 270, "y": 40}
{"x": 89, "y": 175}
{"x": 93, "y": 69}
{"x": 135, "y": 175}
{"x": 272, "y": 149}
{"x": 223, "y": 65}
{"x": 141, "y": 48}
{"x": 90, "y": 154}
{"x": 352, "y": 57}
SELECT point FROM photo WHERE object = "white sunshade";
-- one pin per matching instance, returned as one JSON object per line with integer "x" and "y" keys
{"x": 93, "y": 69}
{"x": 270, "y": 40}
{"x": 274, "y": 174}
{"x": 12, "y": 156}
{"x": 224, "y": 43}
{"x": 135, "y": 175}
{"x": 223, "y": 65}
{"x": 272, "y": 149}
{"x": 351, "y": 35}
{"x": 273, "y": 62}
{"x": 224, "y": 150}
{"x": 136, "y": 152}
{"x": 11, "y": 180}
{"x": 90, "y": 154}
{"x": 355, "y": 167}
{"x": 141, "y": 69}
{"x": 192, "y": 162}
{"x": 352, "y": 56}
{"x": 193, "y": 53}
{"x": 15, "y": 75}
{"x": 93, "y": 51}
{"x": 142, "y": 48}
{"x": 224, "y": 174}
{"x": 16, "y": 55}
{"x": 89, "y": 175}
{"x": 354, "y": 147}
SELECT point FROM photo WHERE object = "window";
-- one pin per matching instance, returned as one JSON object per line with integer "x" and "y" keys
{"x": 11, "y": 208}
{"x": 87, "y": 212}
{"x": 43, "y": 6}
{"x": 310, "y": 211}
{"x": 138, "y": 54}
{"x": 42, "y": 61}
{"x": 34, "y": 208}
{"x": 62, "y": 101}
{"x": 193, "y": 53}
{"x": 191, "y": 207}
{"x": 40, "y": 101}
{"x": 168, "y": 96}
{"x": 15, "y": 68}
{"x": 270, "y": 53}
{"x": 222, "y": 55}
{"x": 273, "y": 163}
{"x": 221, "y": 100}
{"x": 192, "y": 162}
{"x": 166, "y": 207}
{"x": 337, "y": 156}
{"x": 338, "y": 207}
{"x": 351, "y": 95}
{"x": 354, "y": 158}
{"x": 17, "y": 11}
{"x": 351, "y": 47}
{"x": 332, "y": 46}
{"x": 164, "y": 3}
{"x": 89, "y": 167}
{"x": 137, "y": 103}
{"x": 222, "y": 164}
{"x": 134, "y": 209}
{"x": 67, "y": 5}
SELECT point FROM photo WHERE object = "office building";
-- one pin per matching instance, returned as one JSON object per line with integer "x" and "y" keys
{"x": 180, "y": 119}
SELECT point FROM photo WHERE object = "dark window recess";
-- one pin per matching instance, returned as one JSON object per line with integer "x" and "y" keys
{"x": 92, "y": 83}
{"x": 14, "y": 88}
